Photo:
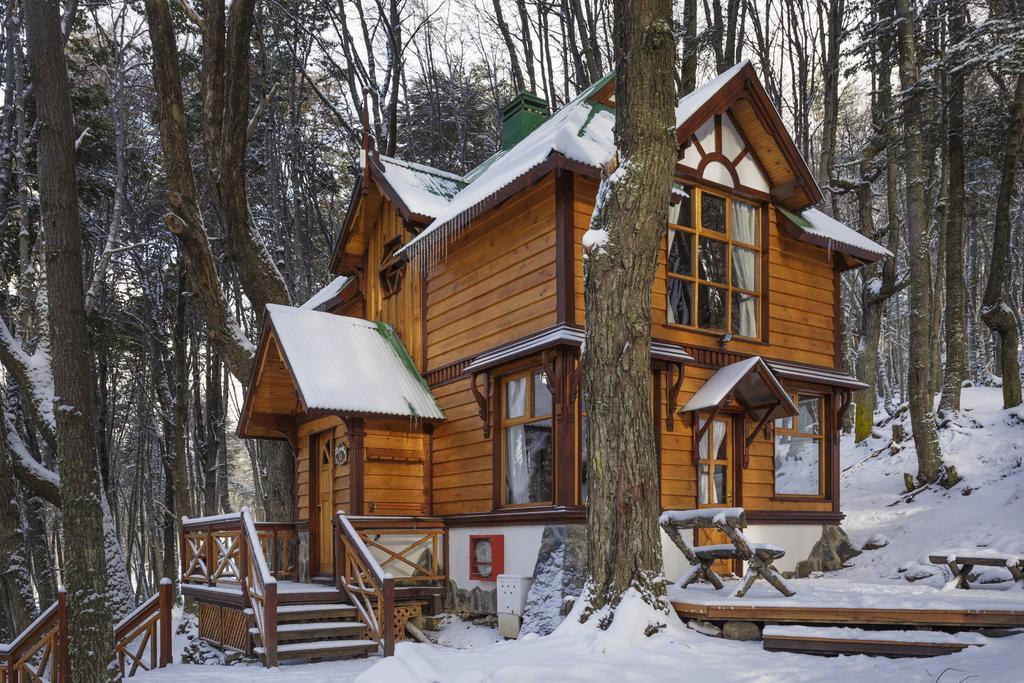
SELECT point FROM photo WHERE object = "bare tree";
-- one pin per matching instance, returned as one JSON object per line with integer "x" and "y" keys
{"x": 627, "y": 227}
{"x": 90, "y": 622}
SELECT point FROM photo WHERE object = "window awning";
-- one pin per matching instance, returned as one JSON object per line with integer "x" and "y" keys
{"x": 752, "y": 384}
{"x": 557, "y": 335}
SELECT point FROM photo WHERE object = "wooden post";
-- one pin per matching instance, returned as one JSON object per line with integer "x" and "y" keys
{"x": 243, "y": 564}
{"x": 211, "y": 555}
{"x": 63, "y": 658}
{"x": 270, "y": 623}
{"x": 166, "y": 603}
{"x": 356, "y": 454}
{"x": 388, "y": 627}
{"x": 339, "y": 553}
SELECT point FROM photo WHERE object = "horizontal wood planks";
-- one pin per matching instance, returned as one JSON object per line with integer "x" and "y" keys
{"x": 850, "y": 615}
{"x": 838, "y": 646}
{"x": 497, "y": 282}
{"x": 462, "y": 458}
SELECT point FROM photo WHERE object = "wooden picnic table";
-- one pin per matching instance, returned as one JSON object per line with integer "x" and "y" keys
{"x": 962, "y": 562}
{"x": 731, "y": 522}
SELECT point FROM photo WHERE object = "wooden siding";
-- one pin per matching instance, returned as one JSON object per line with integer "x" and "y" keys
{"x": 800, "y": 294}
{"x": 679, "y": 475}
{"x": 462, "y": 462}
{"x": 403, "y": 309}
{"x": 497, "y": 283}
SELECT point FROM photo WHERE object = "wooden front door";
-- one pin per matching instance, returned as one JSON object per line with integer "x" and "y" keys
{"x": 716, "y": 458}
{"x": 325, "y": 501}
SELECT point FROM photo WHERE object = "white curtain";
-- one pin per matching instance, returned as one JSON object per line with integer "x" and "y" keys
{"x": 707, "y": 485}
{"x": 718, "y": 430}
{"x": 517, "y": 469}
{"x": 744, "y": 269}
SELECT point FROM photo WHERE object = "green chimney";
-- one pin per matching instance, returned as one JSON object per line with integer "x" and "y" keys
{"x": 520, "y": 117}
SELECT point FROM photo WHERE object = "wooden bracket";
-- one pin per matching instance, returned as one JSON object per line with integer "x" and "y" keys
{"x": 482, "y": 400}
{"x": 672, "y": 390}
{"x": 763, "y": 422}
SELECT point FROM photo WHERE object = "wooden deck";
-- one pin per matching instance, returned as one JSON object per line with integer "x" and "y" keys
{"x": 842, "y": 603}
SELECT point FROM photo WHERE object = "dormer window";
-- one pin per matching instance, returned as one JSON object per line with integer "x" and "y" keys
{"x": 713, "y": 263}
{"x": 392, "y": 268}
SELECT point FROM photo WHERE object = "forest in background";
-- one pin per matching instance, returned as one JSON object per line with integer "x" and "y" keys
{"x": 192, "y": 223}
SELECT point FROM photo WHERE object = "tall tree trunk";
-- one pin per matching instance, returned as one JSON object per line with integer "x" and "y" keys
{"x": 955, "y": 371}
{"x": 90, "y": 622}
{"x": 623, "y": 537}
{"x": 513, "y": 53}
{"x": 688, "y": 80}
{"x": 929, "y": 457}
{"x": 996, "y": 313}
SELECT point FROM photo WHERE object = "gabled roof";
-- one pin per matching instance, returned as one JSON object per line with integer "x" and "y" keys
{"x": 418, "y": 190}
{"x": 581, "y": 136}
{"x": 335, "y": 364}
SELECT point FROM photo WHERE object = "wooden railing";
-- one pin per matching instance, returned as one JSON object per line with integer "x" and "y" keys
{"x": 412, "y": 549}
{"x": 211, "y": 548}
{"x": 259, "y": 586}
{"x": 40, "y": 652}
{"x": 370, "y": 589}
{"x": 142, "y": 640}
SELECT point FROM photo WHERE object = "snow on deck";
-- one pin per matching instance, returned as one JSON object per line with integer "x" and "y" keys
{"x": 350, "y": 365}
{"x": 898, "y": 636}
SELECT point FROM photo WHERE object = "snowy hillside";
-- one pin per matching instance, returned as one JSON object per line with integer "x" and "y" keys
{"x": 986, "y": 445}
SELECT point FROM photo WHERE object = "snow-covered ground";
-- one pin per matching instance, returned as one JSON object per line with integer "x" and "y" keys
{"x": 985, "y": 443}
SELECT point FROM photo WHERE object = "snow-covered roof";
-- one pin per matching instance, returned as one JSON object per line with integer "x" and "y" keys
{"x": 329, "y": 291}
{"x": 582, "y": 131}
{"x": 826, "y": 231}
{"x": 690, "y": 103}
{"x": 754, "y": 383}
{"x": 424, "y": 190}
{"x": 806, "y": 373}
{"x": 350, "y": 365}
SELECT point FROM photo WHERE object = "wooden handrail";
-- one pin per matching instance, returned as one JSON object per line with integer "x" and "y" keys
{"x": 147, "y": 630}
{"x": 370, "y": 589}
{"x": 211, "y": 548}
{"x": 259, "y": 586}
{"x": 40, "y": 652}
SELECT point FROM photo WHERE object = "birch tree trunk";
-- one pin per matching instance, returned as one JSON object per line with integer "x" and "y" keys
{"x": 996, "y": 313}
{"x": 90, "y": 622}
{"x": 929, "y": 457}
{"x": 628, "y": 224}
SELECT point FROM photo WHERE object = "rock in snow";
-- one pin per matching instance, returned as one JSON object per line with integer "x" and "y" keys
{"x": 830, "y": 553}
{"x": 876, "y": 541}
{"x": 559, "y": 573}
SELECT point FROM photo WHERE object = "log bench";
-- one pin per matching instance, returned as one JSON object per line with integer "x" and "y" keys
{"x": 759, "y": 557}
{"x": 962, "y": 562}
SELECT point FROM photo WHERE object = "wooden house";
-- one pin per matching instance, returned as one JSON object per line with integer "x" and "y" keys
{"x": 438, "y": 375}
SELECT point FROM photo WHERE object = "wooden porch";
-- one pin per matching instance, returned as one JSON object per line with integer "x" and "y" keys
{"x": 838, "y": 602}
{"x": 251, "y": 580}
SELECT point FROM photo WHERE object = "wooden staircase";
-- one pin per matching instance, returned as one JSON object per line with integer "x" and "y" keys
{"x": 316, "y": 631}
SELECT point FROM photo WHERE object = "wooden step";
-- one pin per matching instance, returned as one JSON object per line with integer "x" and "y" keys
{"x": 847, "y": 641}
{"x": 324, "y": 649}
{"x": 328, "y": 611}
{"x": 316, "y": 630}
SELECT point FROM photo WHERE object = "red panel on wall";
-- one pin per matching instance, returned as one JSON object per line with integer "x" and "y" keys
{"x": 486, "y": 557}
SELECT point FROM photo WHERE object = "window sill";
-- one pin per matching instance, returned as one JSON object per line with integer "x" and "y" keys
{"x": 717, "y": 335}
{"x": 521, "y": 515}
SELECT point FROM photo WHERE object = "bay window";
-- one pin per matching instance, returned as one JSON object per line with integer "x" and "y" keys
{"x": 526, "y": 438}
{"x": 800, "y": 449}
{"x": 713, "y": 265}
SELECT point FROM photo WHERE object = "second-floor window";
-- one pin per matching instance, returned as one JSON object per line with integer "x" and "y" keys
{"x": 526, "y": 438}
{"x": 714, "y": 262}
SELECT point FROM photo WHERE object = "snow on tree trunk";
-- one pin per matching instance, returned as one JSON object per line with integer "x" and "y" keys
{"x": 996, "y": 313}
{"x": 90, "y": 623}
{"x": 626, "y": 229}
{"x": 929, "y": 457}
